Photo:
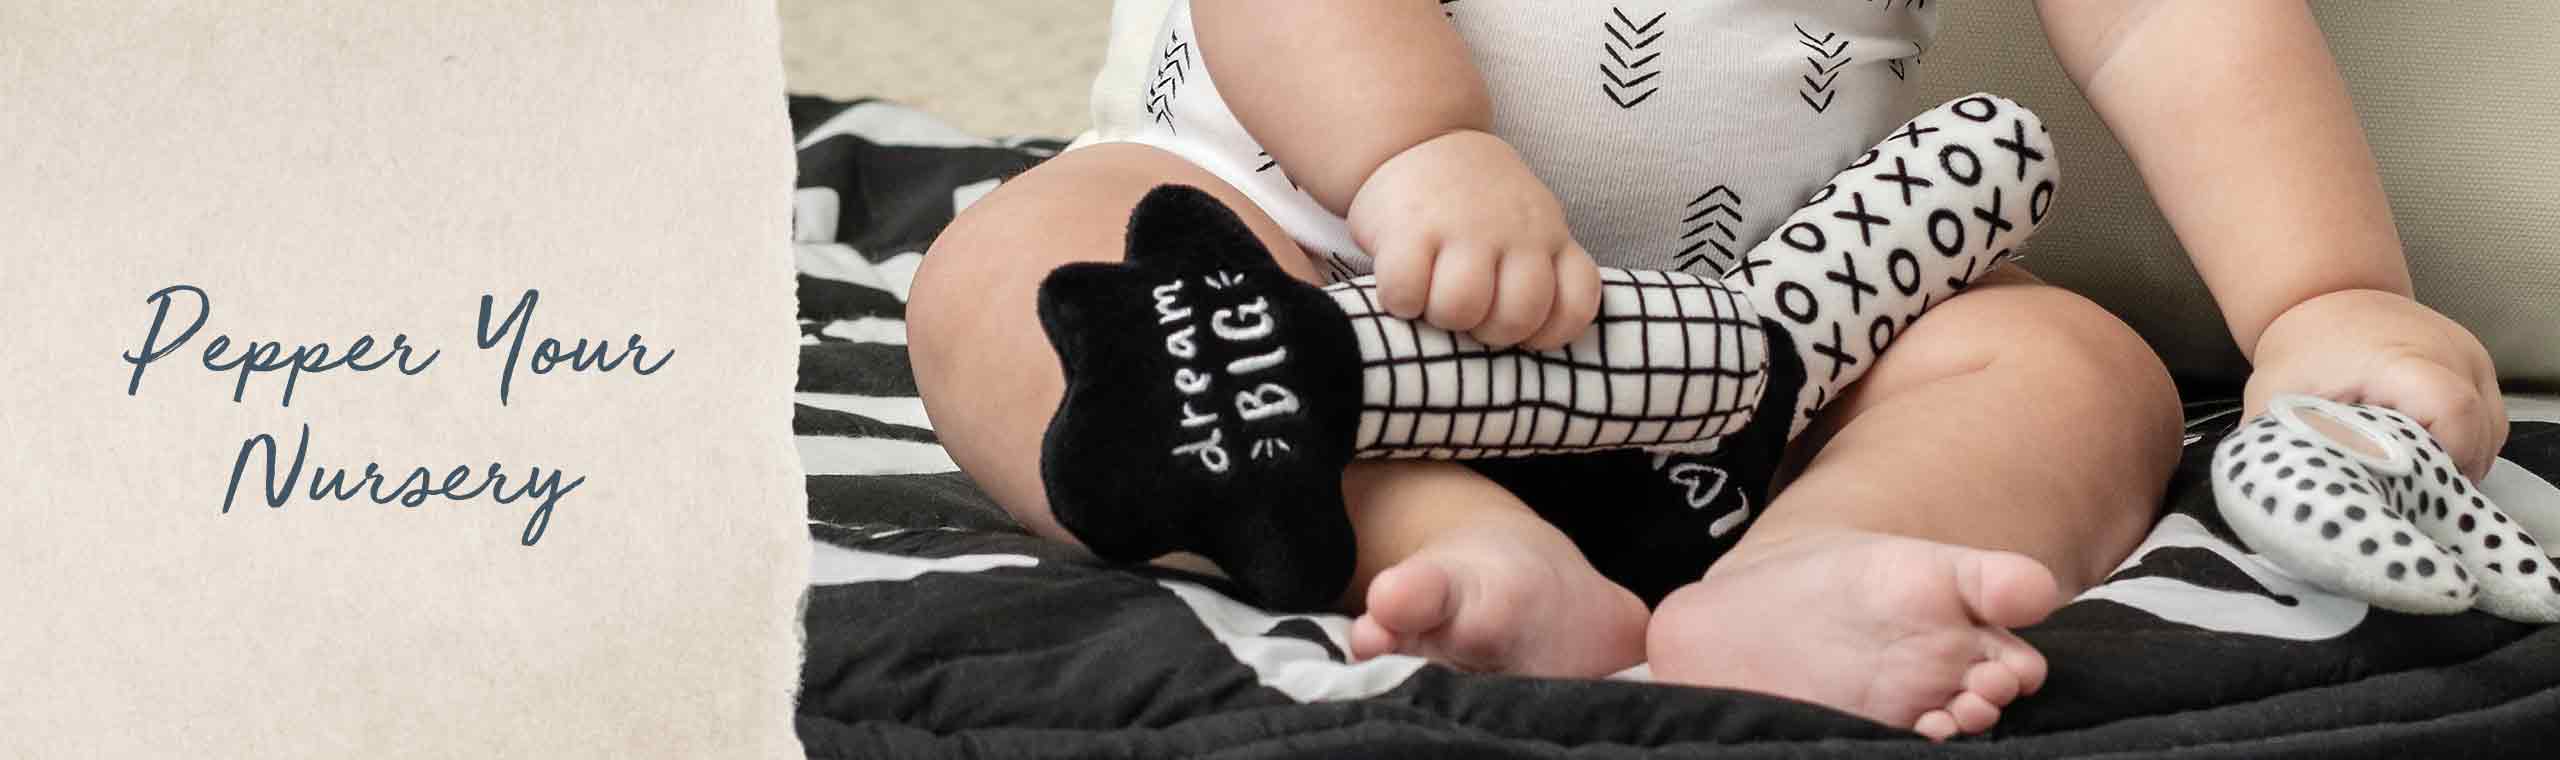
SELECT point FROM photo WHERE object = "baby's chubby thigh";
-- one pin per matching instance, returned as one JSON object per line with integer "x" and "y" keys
{"x": 2012, "y": 323}
{"x": 2025, "y": 413}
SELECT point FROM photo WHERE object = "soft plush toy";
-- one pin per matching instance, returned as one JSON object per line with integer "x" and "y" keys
{"x": 1212, "y": 402}
{"x": 2361, "y": 500}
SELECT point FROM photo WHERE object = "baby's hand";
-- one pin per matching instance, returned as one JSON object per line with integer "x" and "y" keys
{"x": 2381, "y": 348}
{"x": 1466, "y": 238}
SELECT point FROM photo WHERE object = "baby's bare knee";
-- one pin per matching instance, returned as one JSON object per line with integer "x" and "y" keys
{"x": 2069, "y": 364}
{"x": 2093, "y": 385}
{"x": 2072, "y": 355}
{"x": 2093, "y": 367}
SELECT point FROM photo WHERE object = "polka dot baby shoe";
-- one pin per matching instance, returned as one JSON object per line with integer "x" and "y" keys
{"x": 2363, "y": 501}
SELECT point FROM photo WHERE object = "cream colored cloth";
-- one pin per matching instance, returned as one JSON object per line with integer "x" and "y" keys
{"x": 2458, "y": 103}
{"x": 282, "y": 532}
{"x": 989, "y": 67}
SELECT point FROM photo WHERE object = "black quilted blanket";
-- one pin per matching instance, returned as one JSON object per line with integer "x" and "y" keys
{"x": 937, "y": 628}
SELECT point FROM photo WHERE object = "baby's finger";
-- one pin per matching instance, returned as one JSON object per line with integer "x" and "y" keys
{"x": 1461, "y": 287}
{"x": 1577, "y": 300}
{"x": 2444, "y": 401}
{"x": 2483, "y": 373}
{"x": 1404, "y": 269}
{"x": 1520, "y": 305}
{"x": 2495, "y": 406}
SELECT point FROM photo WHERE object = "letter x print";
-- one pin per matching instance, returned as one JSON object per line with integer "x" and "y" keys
{"x": 1912, "y": 131}
{"x": 1901, "y": 175}
{"x": 1998, "y": 222}
{"x": 1835, "y": 351}
{"x": 1867, "y": 222}
{"x": 1859, "y": 288}
{"x": 2018, "y": 145}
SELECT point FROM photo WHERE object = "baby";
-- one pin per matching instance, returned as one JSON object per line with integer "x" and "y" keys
{"x": 1481, "y": 157}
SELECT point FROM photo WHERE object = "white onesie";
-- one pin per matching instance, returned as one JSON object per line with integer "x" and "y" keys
{"x": 1677, "y": 133}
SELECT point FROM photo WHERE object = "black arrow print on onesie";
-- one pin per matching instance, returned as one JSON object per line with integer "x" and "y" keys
{"x": 1172, "y": 69}
{"x": 1709, "y": 220}
{"x": 1827, "y": 61}
{"x": 1631, "y": 67}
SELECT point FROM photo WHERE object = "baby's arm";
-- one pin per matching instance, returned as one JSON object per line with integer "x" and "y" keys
{"x": 2237, "y": 119}
{"x": 1375, "y": 109}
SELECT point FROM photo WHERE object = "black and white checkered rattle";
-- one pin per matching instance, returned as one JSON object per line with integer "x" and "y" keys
{"x": 1212, "y": 402}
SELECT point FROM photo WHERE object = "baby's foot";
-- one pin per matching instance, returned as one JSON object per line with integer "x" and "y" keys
{"x": 1493, "y": 601}
{"x": 1906, "y": 632}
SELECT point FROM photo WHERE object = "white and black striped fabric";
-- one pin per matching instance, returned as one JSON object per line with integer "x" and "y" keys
{"x": 877, "y": 182}
{"x": 936, "y": 628}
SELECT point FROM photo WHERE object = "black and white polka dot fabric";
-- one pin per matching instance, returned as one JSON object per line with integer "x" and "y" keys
{"x": 2401, "y": 529}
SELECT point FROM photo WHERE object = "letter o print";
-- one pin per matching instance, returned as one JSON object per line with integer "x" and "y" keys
{"x": 1969, "y": 176}
{"x": 2040, "y": 201}
{"x": 1896, "y": 265}
{"x": 1822, "y": 194}
{"x": 1880, "y": 334}
{"x": 1949, "y": 245}
{"x": 1988, "y": 110}
{"x": 1803, "y": 236}
{"x": 1797, "y": 302}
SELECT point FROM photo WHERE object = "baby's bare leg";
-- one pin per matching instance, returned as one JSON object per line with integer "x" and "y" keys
{"x": 2021, "y": 418}
{"x": 2017, "y": 417}
{"x": 1488, "y": 578}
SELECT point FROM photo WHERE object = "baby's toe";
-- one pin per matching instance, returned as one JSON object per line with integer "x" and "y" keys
{"x": 2017, "y": 657}
{"x": 1938, "y": 725}
{"x": 1995, "y": 681}
{"x": 1370, "y": 639}
{"x": 1973, "y": 713}
{"x": 2006, "y": 589}
{"x": 1410, "y": 598}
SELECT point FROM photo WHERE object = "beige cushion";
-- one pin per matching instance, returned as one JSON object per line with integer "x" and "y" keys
{"x": 2459, "y": 102}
